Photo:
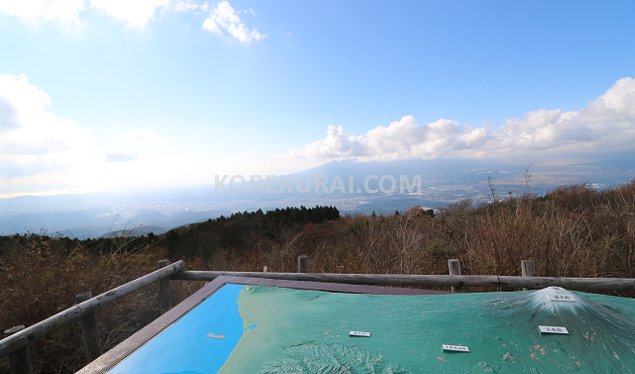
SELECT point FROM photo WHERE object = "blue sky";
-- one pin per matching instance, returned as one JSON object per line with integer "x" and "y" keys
{"x": 100, "y": 95}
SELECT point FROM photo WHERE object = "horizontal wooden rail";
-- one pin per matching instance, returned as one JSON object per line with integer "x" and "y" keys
{"x": 587, "y": 284}
{"x": 28, "y": 335}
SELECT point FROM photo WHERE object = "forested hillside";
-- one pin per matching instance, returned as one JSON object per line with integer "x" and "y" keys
{"x": 572, "y": 231}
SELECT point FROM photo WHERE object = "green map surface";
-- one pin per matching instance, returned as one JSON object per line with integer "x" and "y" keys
{"x": 300, "y": 331}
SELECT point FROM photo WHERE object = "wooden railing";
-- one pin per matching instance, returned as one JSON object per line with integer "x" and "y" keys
{"x": 16, "y": 344}
{"x": 456, "y": 281}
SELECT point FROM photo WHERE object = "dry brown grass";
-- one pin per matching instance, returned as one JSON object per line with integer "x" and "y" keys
{"x": 575, "y": 231}
{"x": 39, "y": 280}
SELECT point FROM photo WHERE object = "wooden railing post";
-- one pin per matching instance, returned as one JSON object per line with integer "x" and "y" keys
{"x": 303, "y": 263}
{"x": 20, "y": 359}
{"x": 92, "y": 343}
{"x": 454, "y": 268}
{"x": 527, "y": 269}
{"x": 165, "y": 301}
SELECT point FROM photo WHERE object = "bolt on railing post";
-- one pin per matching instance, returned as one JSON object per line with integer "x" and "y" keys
{"x": 92, "y": 343}
{"x": 20, "y": 359}
{"x": 165, "y": 301}
{"x": 454, "y": 268}
{"x": 527, "y": 269}
{"x": 303, "y": 263}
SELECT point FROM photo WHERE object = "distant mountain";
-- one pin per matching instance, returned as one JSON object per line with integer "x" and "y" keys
{"x": 136, "y": 231}
{"x": 339, "y": 183}
{"x": 430, "y": 169}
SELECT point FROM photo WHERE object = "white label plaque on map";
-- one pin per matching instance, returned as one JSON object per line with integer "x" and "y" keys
{"x": 455, "y": 348}
{"x": 553, "y": 330}
{"x": 359, "y": 333}
{"x": 562, "y": 297}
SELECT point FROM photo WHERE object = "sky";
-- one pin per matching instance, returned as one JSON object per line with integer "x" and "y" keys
{"x": 99, "y": 95}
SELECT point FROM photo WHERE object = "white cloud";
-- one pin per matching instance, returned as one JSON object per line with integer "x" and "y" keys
{"x": 136, "y": 13}
{"x": 335, "y": 145}
{"x": 224, "y": 19}
{"x": 42, "y": 152}
{"x": 32, "y": 138}
{"x": 184, "y": 6}
{"x": 399, "y": 140}
{"x": 221, "y": 20}
{"x": 66, "y": 11}
{"x": 606, "y": 124}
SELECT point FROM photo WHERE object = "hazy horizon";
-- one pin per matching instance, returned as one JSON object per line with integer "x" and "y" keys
{"x": 107, "y": 96}
{"x": 352, "y": 187}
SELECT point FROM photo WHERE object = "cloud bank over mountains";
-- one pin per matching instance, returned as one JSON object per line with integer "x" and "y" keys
{"x": 37, "y": 146}
{"x": 222, "y": 19}
{"x": 605, "y": 124}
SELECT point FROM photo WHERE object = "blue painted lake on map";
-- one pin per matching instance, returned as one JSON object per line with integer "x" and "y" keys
{"x": 199, "y": 342}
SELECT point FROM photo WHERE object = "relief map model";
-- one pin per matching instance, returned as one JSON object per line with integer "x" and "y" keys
{"x": 262, "y": 329}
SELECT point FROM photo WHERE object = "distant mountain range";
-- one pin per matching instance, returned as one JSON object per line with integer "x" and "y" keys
{"x": 442, "y": 182}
